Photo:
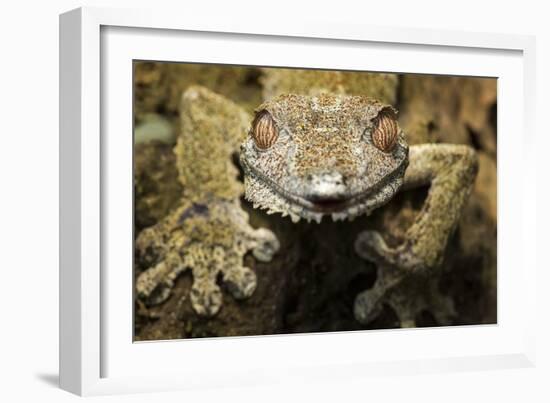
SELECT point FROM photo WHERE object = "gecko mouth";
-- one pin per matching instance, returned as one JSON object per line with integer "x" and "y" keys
{"x": 332, "y": 205}
{"x": 329, "y": 205}
{"x": 268, "y": 195}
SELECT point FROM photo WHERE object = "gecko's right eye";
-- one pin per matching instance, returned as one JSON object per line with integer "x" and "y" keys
{"x": 264, "y": 130}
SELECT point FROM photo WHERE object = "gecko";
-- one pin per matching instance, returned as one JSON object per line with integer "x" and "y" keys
{"x": 307, "y": 153}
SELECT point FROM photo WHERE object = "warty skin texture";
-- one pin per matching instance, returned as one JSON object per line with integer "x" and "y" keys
{"x": 324, "y": 161}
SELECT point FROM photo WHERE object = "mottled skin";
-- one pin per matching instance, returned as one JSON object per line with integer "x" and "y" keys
{"x": 322, "y": 164}
{"x": 208, "y": 232}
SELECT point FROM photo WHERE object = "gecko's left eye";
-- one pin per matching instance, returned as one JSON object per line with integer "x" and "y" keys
{"x": 264, "y": 130}
{"x": 384, "y": 135}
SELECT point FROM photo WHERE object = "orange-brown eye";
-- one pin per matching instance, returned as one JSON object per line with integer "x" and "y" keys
{"x": 264, "y": 131}
{"x": 384, "y": 136}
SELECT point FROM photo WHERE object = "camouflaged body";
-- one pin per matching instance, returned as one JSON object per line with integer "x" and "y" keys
{"x": 208, "y": 233}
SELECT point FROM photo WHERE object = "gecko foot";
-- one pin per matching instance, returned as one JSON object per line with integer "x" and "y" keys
{"x": 368, "y": 304}
{"x": 408, "y": 297}
{"x": 394, "y": 265}
{"x": 401, "y": 284}
{"x": 210, "y": 240}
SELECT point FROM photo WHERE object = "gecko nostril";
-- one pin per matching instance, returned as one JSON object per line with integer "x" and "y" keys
{"x": 338, "y": 179}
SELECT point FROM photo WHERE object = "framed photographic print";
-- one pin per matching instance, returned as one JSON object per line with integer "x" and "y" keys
{"x": 243, "y": 202}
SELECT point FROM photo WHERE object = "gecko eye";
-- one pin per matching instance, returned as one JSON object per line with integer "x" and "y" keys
{"x": 264, "y": 131}
{"x": 384, "y": 135}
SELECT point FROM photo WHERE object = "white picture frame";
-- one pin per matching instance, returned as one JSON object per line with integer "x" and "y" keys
{"x": 97, "y": 354}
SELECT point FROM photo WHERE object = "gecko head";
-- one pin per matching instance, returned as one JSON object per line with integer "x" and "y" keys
{"x": 333, "y": 155}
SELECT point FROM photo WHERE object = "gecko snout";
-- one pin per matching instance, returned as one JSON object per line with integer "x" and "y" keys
{"x": 325, "y": 187}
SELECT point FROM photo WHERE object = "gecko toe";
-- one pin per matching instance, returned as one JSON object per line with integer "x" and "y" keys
{"x": 241, "y": 283}
{"x": 366, "y": 307}
{"x": 267, "y": 245}
{"x": 206, "y": 298}
{"x": 371, "y": 246}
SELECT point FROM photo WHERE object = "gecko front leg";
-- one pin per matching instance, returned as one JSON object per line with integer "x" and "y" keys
{"x": 208, "y": 233}
{"x": 450, "y": 170}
